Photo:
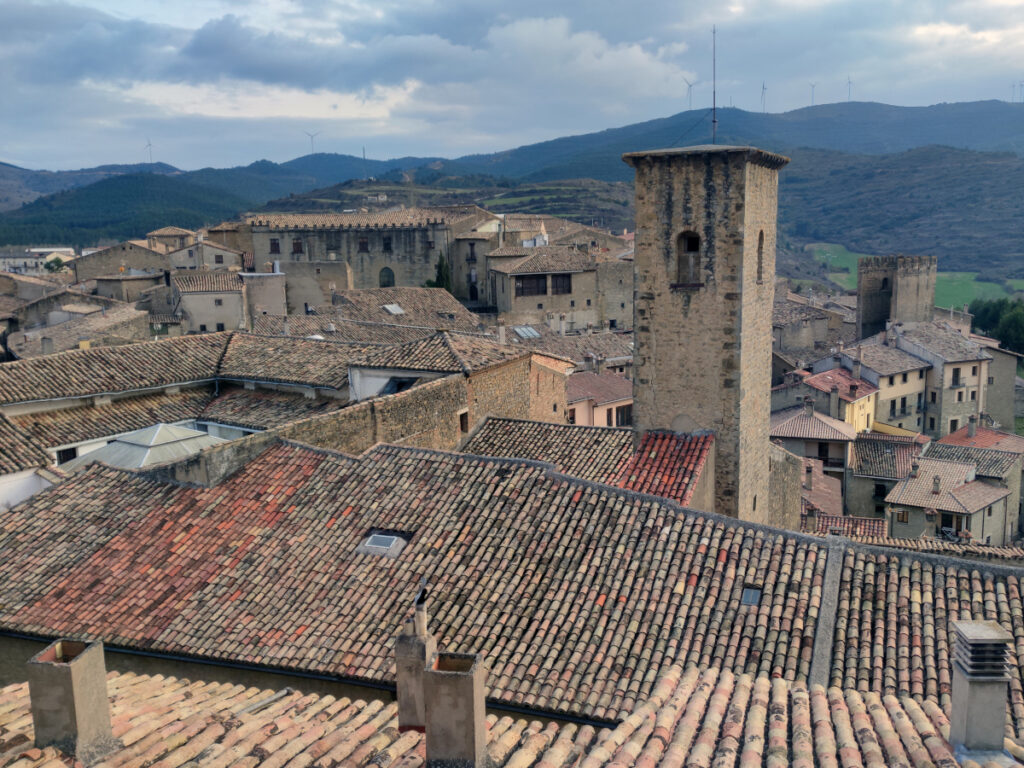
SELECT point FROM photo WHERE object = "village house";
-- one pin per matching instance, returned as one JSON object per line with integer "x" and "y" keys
{"x": 878, "y": 462}
{"x": 805, "y": 432}
{"x": 600, "y": 399}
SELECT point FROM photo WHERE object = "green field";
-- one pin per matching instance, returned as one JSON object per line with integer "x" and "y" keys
{"x": 952, "y": 289}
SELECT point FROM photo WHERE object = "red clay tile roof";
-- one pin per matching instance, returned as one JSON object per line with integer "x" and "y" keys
{"x": 843, "y": 379}
{"x": 600, "y": 387}
{"x": 165, "y": 231}
{"x": 77, "y": 373}
{"x": 18, "y": 451}
{"x": 73, "y": 425}
{"x": 665, "y": 463}
{"x": 546, "y": 259}
{"x": 885, "y": 456}
{"x": 287, "y": 359}
{"x": 208, "y": 282}
{"x": 958, "y": 492}
{"x": 795, "y": 423}
{"x": 986, "y": 438}
{"x": 853, "y": 527}
{"x": 577, "y": 594}
{"x": 338, "y": 329}
{"x": 989, "y": 462}
{"x": 575, "y": 347}
{"x": 409, "y": 217}
{"x": 826, "y": 492}
{"x": 970, "y": 550}
{"x": 696, "y": 718}
{"x": 443, "y": 352}
{"x": 424, "y": 307}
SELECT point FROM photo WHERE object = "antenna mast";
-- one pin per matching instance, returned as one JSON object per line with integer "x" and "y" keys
{"x": 365, "y": 174}
{"x": 714, "y": 84}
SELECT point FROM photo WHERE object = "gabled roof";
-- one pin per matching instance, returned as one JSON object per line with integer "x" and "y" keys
{"x": 288, "y": 359}
{"x": 101, "y": 323}
{"x": 958, "y": 492}
{"x": 944, "y": 341}
{"x": 887, "y": 360}
{"x": 985, "y": 438}
{"x": 666, "y": 464}
{"x": 263, "y": 408}
{"x": 208, "y": 282}
{"x": 989, "y": 462}
{"x": 600, "y": 387}
{"x": 338, "y": 329}
{"x": 854, "y": 527}
{"x": 169, "y": 231}
{"x": 18, "y": 451}
{"x": 883, "y": 456}
{"x": 578, "y": 594}
{"x": 547, "y": 259}
{"x": 443, "y": 353}
{"x": 425, "y": 307}
{"x": 844, "y": 380}
{"x": 576, "y": 347}
{"x": 796, "y": 423}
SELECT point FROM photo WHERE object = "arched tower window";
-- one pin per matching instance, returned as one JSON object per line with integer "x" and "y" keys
{"x": 688, "y": 260}
{"x": 387, "y": 278}
{"x": 885, "y": 283}
{"x": 760, "y": 257}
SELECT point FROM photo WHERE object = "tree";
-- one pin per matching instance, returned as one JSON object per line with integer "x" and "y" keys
{"x": 442, "y": 276}
{"x": 56, "y": 264}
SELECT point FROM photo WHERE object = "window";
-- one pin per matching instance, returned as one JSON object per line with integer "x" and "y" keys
{"x": 387, "y": 244}
{"x": 218, "y": 302}
{"x": 880, "y": 491}
{"x": 823, "y": 451}
{"x": 933, "y": 396}
{"x": 588, "y": 302}
{"x": 688, "y": 260}
{"x": 561, "y": 284}
{"x": 384, "y": 542}
{"x": 464, "y": 422}
{"x": 364, "y": 245}
{"x": 430, "y": 244}
{"x": 892, "y": 409}
{"x": 931, "y": 423}
{"x": 624, "y": 416}
{"x": 218, "y": 258}
{"x": 532, "y": 285}
{"x": 960, "y": 396}
{"x": 920, "y": 374}
{"x": 297, "y": 245}
{"x": 974, "y": 394}
{"x": 572, "y": 415}
{"x": 991, "y": 380}
{"x": 954, "y": 425}
{"x": 540, "y": 306}
{"x": 66, "y": 454}
{"x": 572, "y": 303}
{"x": 902, "y": 516}
{"x": 892, "y": 380}
{"x": 956, "y": 377}
{"x": 760, "y": 257}
{"x": 202, "y": 328}
{"x": 220, "y": 326}
{"x": 386, "y": 279}
{"x": 885, "y": 283}
{"x": 988, "y": 511}
{"x": 751, "y": 595}
{"x": 608, "y": 417}
{"x": 318, "y": 270}
{"x": 974, "y": 370}
{"x": 554, "y": 407}
{"x": 275, "y": 245}
{"x": 904, "y": 378}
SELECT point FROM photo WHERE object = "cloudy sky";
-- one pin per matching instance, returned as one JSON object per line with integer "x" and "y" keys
{"x": 227, "y": 82}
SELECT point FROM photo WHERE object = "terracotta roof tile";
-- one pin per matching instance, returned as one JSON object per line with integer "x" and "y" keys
{"x": 546, "y": 259}
{"x": 796, "y": 423}
{"x": 264, "y": 409}
{"x": 986, "y": 438}
{"x": 844, "y": 380}
{"x": 989, "y": 462}
{"x": 853, "y": 527}
{"x": 338, "y": 329}
{"x": 569, "y": 622}
{"x": 424, "y": 307}
{"x": 599, "y": 387}
{"x": 409, "y": 217}
{"x": 287, "y": 359}
{"x": 19, "y": 451}
{"x": 443, "y": 351}
{"x": 576, "y": 347}
{"x": 208, "y": 282}
{"x": 884, "y": 456}
{"x": 958, "y": 491}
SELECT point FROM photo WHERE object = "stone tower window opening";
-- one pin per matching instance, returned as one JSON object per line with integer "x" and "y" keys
{"x": 885, "y": 283}
{"x": 387, "y": 278}
{"x": 760, "y": 257}
{"x": 688, "y": 272}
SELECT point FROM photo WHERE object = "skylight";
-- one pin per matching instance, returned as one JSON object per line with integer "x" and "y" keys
{"x": 394, "y": 309}
{"x": 526, "y": 332}
{"x": 381, "y": 541}
{"x": 751, "y": 595}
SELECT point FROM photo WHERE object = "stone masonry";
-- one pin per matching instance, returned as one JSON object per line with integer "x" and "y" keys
{"x": 704, "y": 288}
{"x": 897, "y": 288}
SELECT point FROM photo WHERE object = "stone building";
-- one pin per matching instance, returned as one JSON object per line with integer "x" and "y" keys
{"x": 704, "y": 288}
{"x": 896, "y": 288}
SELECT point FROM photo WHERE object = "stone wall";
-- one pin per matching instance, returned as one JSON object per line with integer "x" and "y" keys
{"x": 547, "y": 393}
{"x": 312, "y": 283}
{"x": 502, "y": 390}
{"x": 615, "y": 293}
{"x": 265, "y": 294}
{"x": 897, "y": 288}
{"x": 999, "y": 395}
{"x": 786, "y": 473}
{"x": 705, "y": 276}
{"x": 110, "y": 260}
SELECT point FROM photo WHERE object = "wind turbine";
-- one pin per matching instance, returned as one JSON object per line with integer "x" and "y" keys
{"x": 689, "y": 92}
{"x": 849, "y": 87}
{"x": 764, "y": 90}
{"x": 311, "y": 137}
{"x": 812, "y": 93}
{"x": 149, "y": 146}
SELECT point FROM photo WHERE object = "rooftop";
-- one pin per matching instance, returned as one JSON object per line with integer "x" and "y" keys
{"x": 944, "y": 341}
{"x": 409, "y": 217}
{"x": 335, "y": 328}
{"x": 985, "y": 438}
{"x": 785, "y": 312}
{"x": 796, "y": 423}
{"x": 883, "y": 456}
{"x": 158, "y": 444}
{"x": 208, "y": 282}
{"x": 989, "y": 462}
{"x": 844, "y": 380}
{"x": 887, "y": 360}
{"x": 100, "y": 324}
{"x": 752, "y": 154}
{"x": 602, "y": 388}
{"x": 577, "y": 594}
{"x": 18, "y": 451}
{"x": 572, "y": 346}
{"x": 547, "y": 259}
{"x": 169, "y": 231}
{"x": 424, "y": 307}
{"x": 442, "y": 352}
{"x": 959, "y": 492}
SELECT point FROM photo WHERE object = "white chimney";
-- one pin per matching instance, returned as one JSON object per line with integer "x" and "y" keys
{"x": 977, "y": 718}
{"x": 456, "y": 724}
{"x": 67, "y": 684}
{"x": 502, "y": 336}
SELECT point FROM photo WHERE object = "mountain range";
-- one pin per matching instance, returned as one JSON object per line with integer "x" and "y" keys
{"x": 944, "y": 179}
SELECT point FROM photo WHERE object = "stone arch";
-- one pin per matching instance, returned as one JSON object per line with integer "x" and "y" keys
{"x": 386, "y": 279}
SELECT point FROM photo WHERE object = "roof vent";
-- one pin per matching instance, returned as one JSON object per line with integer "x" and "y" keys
{"x": 978, "y": 711}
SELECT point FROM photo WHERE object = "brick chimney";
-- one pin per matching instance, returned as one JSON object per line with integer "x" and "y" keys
{"x": 414, "y": 649}
{"x": 833, "y": 402}
{"x": 914, "y": 467}
{"x": 972, "y": 425}
{"x": 936, "y": 485}
{"x": 67, "y": 684}
{"x": 456, "y": 724}
{"x": 978, "y": 712}
{"x": 809, "y": 477}
{"x": 808, "y": 406}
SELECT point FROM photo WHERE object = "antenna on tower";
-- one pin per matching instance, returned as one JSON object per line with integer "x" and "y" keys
{"x": 849, "y": 87}
{"x": 689, "y": 92}
{"x": 149, "y": 146}
{"x": 812, "y": 93}
{"x": 311, "y": 137}
{"x": 365, "y": 174}
{"x": 714, "y": 84}
{"x": 764, "y": 90}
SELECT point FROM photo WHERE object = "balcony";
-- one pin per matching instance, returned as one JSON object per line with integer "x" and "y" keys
{"x": 832, "y": 463}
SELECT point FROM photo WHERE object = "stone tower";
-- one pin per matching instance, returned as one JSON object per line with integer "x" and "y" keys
{"x": 704, "y": 286}
{"x": 897, "y": 288}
